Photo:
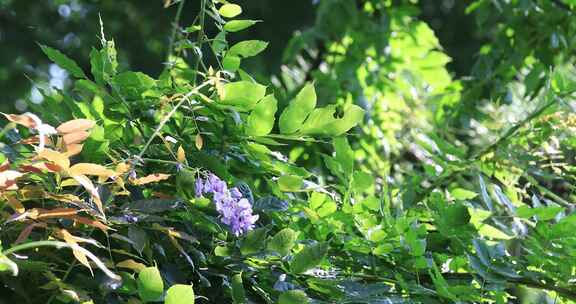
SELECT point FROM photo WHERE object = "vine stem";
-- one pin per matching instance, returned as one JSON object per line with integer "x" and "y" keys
{"x": 200, "y": 39}
{"x": 175, "y": 27}
{"x": 170, "y": 114}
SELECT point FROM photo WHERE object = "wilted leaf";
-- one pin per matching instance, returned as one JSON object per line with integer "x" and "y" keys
{"x": 24, "y": 120}
{"x": 75, "y": 138}
{"x": 90, "y": 169}
{"x": 181, "y": 155}
{"x": 59, "y": 159}
{"x": 131, "y": 264}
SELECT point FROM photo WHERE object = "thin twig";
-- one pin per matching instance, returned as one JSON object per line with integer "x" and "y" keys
{"x": 170, "y": 114}
{"x": 175, "y": 27}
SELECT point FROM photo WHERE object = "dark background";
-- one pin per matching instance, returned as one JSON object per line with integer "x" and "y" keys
{"x": 142, "y": 29}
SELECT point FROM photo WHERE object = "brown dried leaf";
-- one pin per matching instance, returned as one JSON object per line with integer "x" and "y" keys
{"x": 15, "y": 204}
{"x": 8, "y": 179}
{"x": 57, "y": 158}
{"x": 23, "y": 119}
{"x": 71, "y": 240}
{"x": 26, "y": 231}
{"x": 131, "y": 264}
{"x": 75, "y": 126}
{"x": 73, "y": 149}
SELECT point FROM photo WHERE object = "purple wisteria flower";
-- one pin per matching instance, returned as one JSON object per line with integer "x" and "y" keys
{"x": 235, "y": 211}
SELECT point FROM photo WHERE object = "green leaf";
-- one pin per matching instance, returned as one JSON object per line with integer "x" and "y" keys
{"x": 463, "y": 194}
{"x": 344, "y": 155}
{"x": 230, "y": 10}
{"x": 293, "y": 297}
{"x": 299, "y": 108}
{"x": 63, "y": 61}
{"x": 247, "y": 48}
{"x": 238, "y": 294}
{"x": 283, "y": 241}
{"x": 133, "y": 84}
{"x": 543, "y": 213}
{"x": 254, "y": 241}
{"x": 150, "y": 284}
{"x": 242, "y": 94}
{"x": 322, "y": 121}
{"x": 362, "y": 181}
{"x": 238, "y": 25}
{"x": 308, "y": 258}
{"x": 179, "y": 294}
{"x": 231, "y": 63}
{"x": 219, "y": 43}
{"x": 289, "y": 183}
{"x": 261, "y": 119}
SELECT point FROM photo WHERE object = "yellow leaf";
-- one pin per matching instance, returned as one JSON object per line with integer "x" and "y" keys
{"x": 122, "y": 168}
{"x": 75, "y": 126}
{"x": 69, "y": 182}
{"x": 181, "y": 155}
{"x": 131, "y": 264}
{"x": 73, "y": 149}
{"x": 90, "y": 169}
{"x": 199, "y": 142}
{"x": 59, "y": 159}
{"x": 152, "y": 178}
{"x": 89, "y": 186}
{"x": 70, "y": 239}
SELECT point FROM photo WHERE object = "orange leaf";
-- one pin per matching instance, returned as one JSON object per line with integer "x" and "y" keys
{"x": 15, "y": 204}
{"x": 53, "y": 213}
{"x": 75, "y": 138}
{"x": 59, "y": 159}
{"x": 75, "y": 125}
{"x": 90, "y": 169}
{"x": 90, "y": 222}
{"x": 152, "y": 178}
{"x": 23, "y": 119}
{"x": 30, "y": 168}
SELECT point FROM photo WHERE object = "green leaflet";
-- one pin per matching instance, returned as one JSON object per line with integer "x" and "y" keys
{"x": 63, "y": 61}
{"x": 179, "y": 294}
{"x": 261, "y": 119}
{"x": 308, "y": 258}
{"x": 294, "y": 115}
{"x": 244, "y": 95}
{"x": 238, "y": 25}
{"x": 322, "y": 121}
{"x": 150, "y": 284}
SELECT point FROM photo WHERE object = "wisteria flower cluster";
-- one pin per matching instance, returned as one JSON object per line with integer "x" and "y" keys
{"x": 235, "y": 210}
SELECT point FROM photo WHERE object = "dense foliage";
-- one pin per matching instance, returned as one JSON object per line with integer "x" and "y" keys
{"x": 365, "y": 171}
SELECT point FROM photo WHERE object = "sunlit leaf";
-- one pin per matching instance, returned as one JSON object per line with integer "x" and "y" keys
{"x": 150, "y": 284}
